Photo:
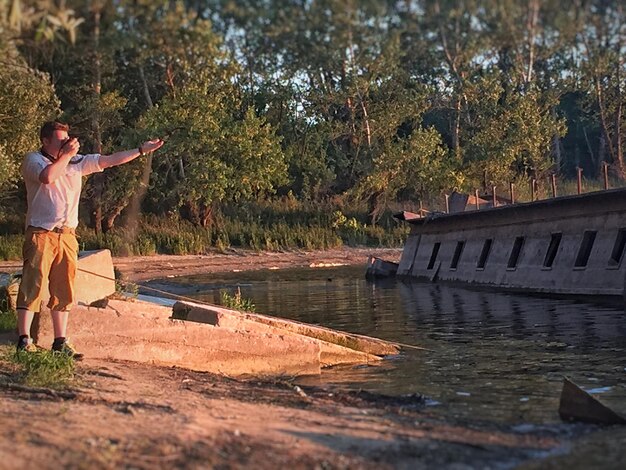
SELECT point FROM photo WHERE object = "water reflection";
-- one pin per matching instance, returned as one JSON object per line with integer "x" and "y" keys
{"x": 495, "y": 356}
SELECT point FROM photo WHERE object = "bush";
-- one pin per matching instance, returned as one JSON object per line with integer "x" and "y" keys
{"x": 272, "y": 225}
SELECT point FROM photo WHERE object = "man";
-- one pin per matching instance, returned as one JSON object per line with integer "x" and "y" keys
{"x": 53, "y": 177}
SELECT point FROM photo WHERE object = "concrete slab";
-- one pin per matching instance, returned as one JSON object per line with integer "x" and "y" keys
{"x": 143, "y": 332}
{"x": 330, "y": 353}
{"x": 218, "y": 316}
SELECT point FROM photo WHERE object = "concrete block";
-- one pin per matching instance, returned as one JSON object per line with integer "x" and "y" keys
{"x": 95, "y": 278}
{"x": 379, "y": 268}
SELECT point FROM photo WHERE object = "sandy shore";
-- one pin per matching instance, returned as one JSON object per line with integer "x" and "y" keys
{"x": 143, "y": 268}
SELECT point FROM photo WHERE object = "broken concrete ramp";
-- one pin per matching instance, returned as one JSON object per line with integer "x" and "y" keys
{"x": 224, "y": 317}
{"x": 144, "y": 332}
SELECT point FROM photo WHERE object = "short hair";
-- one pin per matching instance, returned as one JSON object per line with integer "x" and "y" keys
{"x": 49, "y": 127}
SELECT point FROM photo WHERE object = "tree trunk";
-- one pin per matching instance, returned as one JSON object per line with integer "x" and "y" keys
{"x": 531, "y": 25}
{"x": 98, "y": 178}
{"x": 199, "y": 214}
{"x": 109, "y": 220}
{"x": 619, "y": 156}
{"x": 131, "y": 222}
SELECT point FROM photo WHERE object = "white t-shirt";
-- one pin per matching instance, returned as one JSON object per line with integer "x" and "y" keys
{"x": 55, "y": 204}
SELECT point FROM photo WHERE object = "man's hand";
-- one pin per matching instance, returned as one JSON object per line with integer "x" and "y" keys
{"x": 151, "y": 145}
{"x": 69, "y": 148}
{"x": 125, "y": 156}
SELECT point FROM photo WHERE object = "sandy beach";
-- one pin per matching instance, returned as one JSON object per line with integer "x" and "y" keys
{"x": 143, "y": 268}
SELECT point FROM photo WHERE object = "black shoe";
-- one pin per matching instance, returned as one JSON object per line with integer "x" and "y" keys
{"x": 26, "y": 345}
{"x": 68, "y": 349}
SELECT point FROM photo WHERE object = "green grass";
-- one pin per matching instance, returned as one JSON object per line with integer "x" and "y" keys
{"x": 39, "y": 369}
{"x": 8, "y": 321}
{"x": 236, "y": 301}
{"x": 280, "y": 224}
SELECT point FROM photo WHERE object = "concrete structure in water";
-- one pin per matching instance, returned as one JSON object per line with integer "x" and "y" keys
{"x": 564, "y": 245}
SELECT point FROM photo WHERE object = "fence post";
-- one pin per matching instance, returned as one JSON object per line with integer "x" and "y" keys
{"x": 580, "y": 179}
{"x": 533, "y": 189}
{"x": 553, "y": 178}
{"x": 476, "y": 196}
{"x": 512, "y": 191}
{"x": 447, "y": 203}
{"x": 495, "y": 198}
{"x": 605, "y": 169}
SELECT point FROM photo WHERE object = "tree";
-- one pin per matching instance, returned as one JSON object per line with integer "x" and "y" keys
{"x": 217, "y": 156}
{"x": 27, "y": 99}
{"x": 603, "y": 37}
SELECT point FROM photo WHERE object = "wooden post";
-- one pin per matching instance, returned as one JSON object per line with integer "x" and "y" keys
{"x": 447, "y": 203}
{"x": 605, "y": 170}
{"x": 476, "y": 196}
{"x": 553, "y": 178}
{"x": 494, "y": 200}
{"x": 533, "y": 189}
{"x": 579, "y": 171}
{"x": 512, "y": 191}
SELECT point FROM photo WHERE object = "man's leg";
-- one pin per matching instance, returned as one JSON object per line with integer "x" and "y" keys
{"x": 37, "y": 252}
{"x": 24, "y": 322}
{"x": 62, "y": 296}
{"x": 59, "y": 322}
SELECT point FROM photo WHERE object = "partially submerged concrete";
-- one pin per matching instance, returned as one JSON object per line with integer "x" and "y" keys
{"x": 144, "y": 332}
{"x": 565, "y": 245}
{"x": 219, "y": 316}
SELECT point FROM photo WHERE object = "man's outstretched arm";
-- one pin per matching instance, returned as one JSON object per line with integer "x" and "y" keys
{"x": 125, "y": 156}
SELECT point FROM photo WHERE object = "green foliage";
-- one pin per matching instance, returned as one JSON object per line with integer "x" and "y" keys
{"x": 11, "y": 246}
{"x": 26, "y": 100}
{"x": 373, "y": 102}
{"x": 236, "y": 301}
{"x": 42, "y": 368}
{"x": 222, "y": 157}
{"x": 8, "y": 320}
{"x": 513, "y": 136}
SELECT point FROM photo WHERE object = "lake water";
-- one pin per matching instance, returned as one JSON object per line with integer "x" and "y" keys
{"x": 493, "y": 357}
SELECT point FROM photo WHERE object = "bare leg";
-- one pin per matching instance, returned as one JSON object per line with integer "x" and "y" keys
{"x": 59, "y": 323}
{"x": 24, "y": 321}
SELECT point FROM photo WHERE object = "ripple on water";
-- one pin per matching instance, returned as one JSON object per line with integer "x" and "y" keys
{"x": 496, "y": 356}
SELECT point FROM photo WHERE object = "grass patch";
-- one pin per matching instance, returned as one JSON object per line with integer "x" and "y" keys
{"x": 40, "y": 369}
{"x": 8, "y": 321}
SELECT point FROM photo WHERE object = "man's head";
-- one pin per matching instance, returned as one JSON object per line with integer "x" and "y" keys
{"x": 53, "y": 136}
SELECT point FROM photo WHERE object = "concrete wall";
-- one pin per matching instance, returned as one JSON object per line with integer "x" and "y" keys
{"x": 602, "y": 212}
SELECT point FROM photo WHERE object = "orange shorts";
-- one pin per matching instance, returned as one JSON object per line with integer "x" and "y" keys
{"x": 50, "y": 259}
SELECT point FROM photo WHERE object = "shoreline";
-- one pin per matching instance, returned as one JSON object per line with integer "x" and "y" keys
{"x": 147, "y": 268}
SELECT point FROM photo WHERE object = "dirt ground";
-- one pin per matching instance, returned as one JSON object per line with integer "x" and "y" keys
{"x": 131, "y": 415}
